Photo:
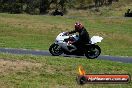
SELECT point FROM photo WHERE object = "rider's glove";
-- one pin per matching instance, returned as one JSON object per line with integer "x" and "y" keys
{"x": 70, "y": 42}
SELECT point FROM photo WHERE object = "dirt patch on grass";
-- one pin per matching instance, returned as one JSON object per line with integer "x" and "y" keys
{"x": 7, "y": 66}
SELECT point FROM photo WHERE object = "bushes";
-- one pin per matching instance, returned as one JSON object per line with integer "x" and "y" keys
{"x": 32, "y": 7}
{"x": 42, "y": 6}
{"x": 11, "y": 7}
{"x": 28, "y": 6}
{"x": 15, "y": 8}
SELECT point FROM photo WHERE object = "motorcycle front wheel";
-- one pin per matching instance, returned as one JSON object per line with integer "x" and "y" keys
{"x": 93, "y": 52}
{"x": 55, "y": 50}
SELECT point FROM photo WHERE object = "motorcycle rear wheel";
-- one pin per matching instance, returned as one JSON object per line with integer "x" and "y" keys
{"x": 55, "y": 50}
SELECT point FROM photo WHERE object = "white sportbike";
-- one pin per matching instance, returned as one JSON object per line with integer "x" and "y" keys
{"x": 62, "y": 46}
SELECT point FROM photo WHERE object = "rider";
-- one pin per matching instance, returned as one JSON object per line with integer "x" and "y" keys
{"x": 83, "y": 36}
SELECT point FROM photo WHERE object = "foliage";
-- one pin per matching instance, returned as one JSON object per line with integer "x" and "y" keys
{"x": 42, "y": 6}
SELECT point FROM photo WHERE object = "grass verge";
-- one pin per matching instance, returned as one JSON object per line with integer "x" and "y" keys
{"x": 27, "y": 71}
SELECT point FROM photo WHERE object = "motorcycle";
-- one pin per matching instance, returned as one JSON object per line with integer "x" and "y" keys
{"x": 62, "y": 46}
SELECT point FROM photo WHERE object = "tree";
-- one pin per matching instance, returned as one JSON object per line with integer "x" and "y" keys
{"x": 110, "y": 2}
{"x": 82, "y": 4}
{"x": 62, "y": 4}
{"x": 99, "y": 3}
{"x": 31, "y": 6}
{"x": 44, "y": 5}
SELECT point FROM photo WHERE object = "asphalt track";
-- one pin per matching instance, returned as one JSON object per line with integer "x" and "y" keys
{"x": 46, "y": 53}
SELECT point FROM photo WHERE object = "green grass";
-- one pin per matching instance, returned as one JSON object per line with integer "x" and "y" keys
{"x": 39, "y": 31}
{"x": 26, "y": 71}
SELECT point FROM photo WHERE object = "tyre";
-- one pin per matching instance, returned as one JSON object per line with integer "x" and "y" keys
{"x": 93, "y": 52}
{"x": 55, "y": 50}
